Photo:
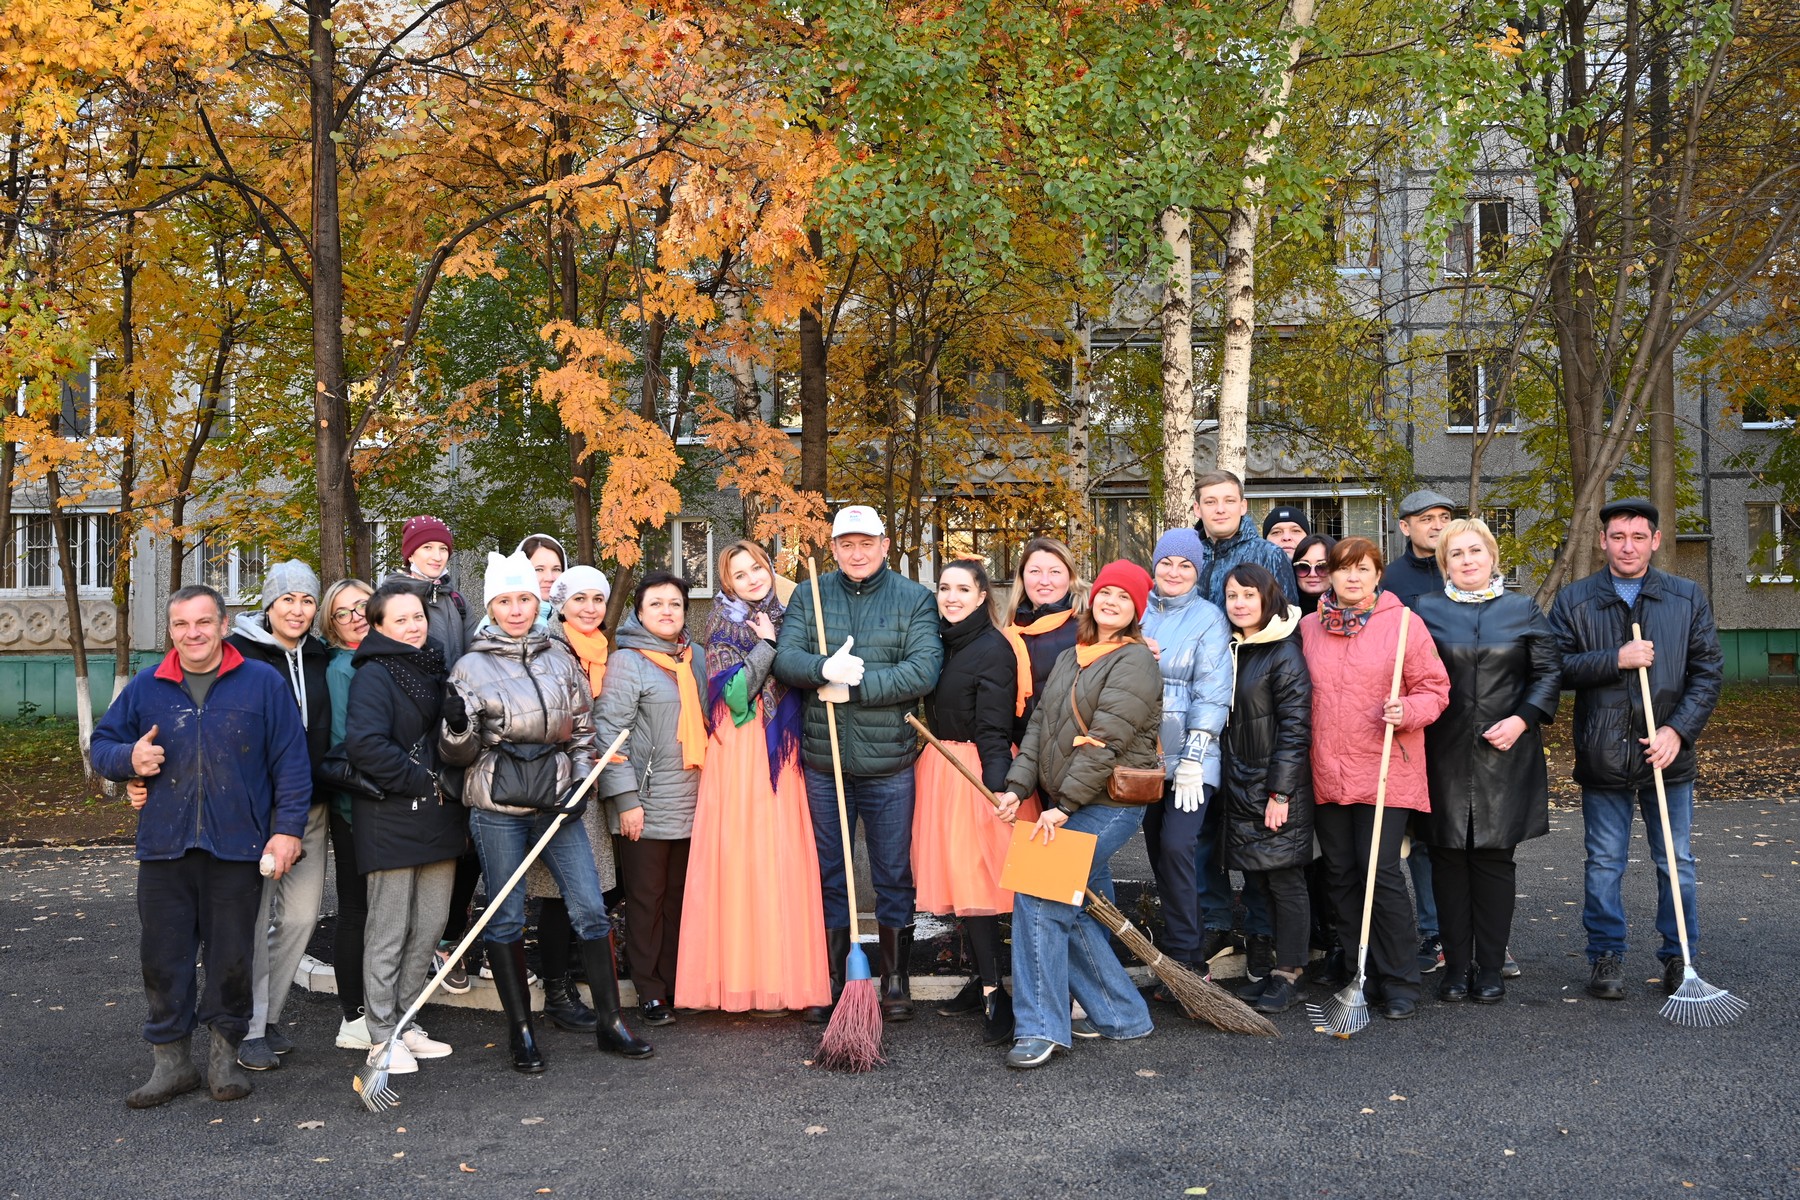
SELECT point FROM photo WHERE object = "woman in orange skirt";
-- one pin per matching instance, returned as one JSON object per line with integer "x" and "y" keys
{"x": 959, "y": 839}
{"x": 751, "y": 937}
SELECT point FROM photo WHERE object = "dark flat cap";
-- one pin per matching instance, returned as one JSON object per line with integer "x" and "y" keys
{"x": 1423, "y": 499}
{"x": 1630, "y": 506}
{"x": 1283, "y": 513}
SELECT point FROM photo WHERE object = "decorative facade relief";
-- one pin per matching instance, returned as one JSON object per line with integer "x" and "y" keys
{"x": 39, "y": 624}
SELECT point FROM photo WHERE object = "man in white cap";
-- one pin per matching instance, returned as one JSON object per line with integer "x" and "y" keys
{"x": 882, "y": 631}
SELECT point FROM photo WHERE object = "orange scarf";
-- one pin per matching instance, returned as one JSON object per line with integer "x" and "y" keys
{"x": 1024, "y": 656}
{"x": 1087, "y": 656}
{"x": 690, "y": 731}
{"x": 590, "y": 648}
{"x": 1055, "y": 620}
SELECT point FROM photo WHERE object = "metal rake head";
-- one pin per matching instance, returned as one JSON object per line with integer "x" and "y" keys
{"x": 372, "y": 1085}
{"x": 1344, "y": 1014}
{"x": 1699, "y": 1005}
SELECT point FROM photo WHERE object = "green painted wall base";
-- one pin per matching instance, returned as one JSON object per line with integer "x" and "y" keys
{"x": 48, "y": 681}
{"x": 1760, "y": 655}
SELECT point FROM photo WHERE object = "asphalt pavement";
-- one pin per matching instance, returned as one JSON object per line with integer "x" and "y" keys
{"x": 1548, "y": 1094}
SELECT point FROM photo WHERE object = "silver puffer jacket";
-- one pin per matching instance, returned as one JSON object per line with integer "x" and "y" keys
{"x": 527, "y": 690}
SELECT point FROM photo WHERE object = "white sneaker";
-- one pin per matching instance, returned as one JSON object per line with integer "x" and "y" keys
{"x": 354, "y": 1035}
{"x": 402, "y": 1062}
{"x": 423, "y": 1045}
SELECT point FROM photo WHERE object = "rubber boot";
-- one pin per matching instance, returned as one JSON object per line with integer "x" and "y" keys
{"x": 896, "y": 983}
{"x": 997, "y": 1018}
{"x": 837, "y": 953}
{"x": 173, "y": 1074}
{"x": 562, "y": 1004}
{"x": 507, "y": 961}
{"x": 603, "y": 981}
{"x": 224, "y": 1077}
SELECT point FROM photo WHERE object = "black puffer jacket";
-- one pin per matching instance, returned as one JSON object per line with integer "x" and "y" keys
{"x": 977, "y": 694}
{"x": 1503, "y": 662}
{"x": 1121, "y": 701}
{"x": 1043, "y": 649}
{"x": 1591, "y": 623}
{"x": 1267, "y": 747}
{"x": 303, "y": 669}
{"x": 390, "y": 736}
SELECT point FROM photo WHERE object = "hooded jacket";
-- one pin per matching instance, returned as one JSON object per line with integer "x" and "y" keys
{"x": 390, "y": 741}
{"x": 528, "y": 691}
{"x": 1121, "y": 702}
{"x": 235, "y": 770}
{"x": 977, "y": 695}
{"x": 448, "y": 618}
{"x": 1503, "y": 662}
{"x": 641, "y": 696}
{"x": 304, "y": 669}
{"x": 895, "y": 624}
{"x": 1350, "y": 678}
{"x": 1247, "y": 545}
{"x": 1194, "y": 644}
{"x": 1268, "y": 748}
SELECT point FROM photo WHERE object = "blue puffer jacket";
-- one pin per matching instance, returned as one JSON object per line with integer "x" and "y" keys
{"x": 1244, "y": 546}
{"x": 235, "y": 772}
{"x": 1194, "y": 656}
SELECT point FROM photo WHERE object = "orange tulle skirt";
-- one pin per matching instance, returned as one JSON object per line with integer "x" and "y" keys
{"x": 752, "y": 924}
{"x": 958, "y": 844}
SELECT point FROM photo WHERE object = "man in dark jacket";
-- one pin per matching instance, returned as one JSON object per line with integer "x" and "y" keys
{"x": 282, "y": 636}
{"x": 1593, "y": 620}
{"x": 219, "y": 747}
{"x": 886, "y": 654}
{"x": 1222, "y": 516}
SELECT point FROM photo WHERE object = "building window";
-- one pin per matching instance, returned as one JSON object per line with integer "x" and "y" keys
{"x": 234, "y": 571}
{"x": 1336, "y": 517}
{"x": 1503, "y": 523}
{"x": 1474, "y": 384}
{"x": 1479, "y": 241}
{"x": 93, "y": 544}
{"x": 691, "y": 555}
{"x": 1774, "y": 543}
{"x": 1355, "y": 227}
{"x": 1763, "y": 412}
{"x": 1124, "y": 527}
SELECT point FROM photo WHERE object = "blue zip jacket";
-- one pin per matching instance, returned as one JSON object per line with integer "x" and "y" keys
{"x": 1244, "y": 546}
{"x": 235, "y": 771}
{"x": 1194, "y": 655}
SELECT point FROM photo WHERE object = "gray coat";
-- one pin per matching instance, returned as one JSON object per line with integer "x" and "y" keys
{"x": 527, "y": 690}
{"x": 639, "y": 695}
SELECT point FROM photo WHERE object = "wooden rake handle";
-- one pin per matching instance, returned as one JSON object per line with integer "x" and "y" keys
{"x": 837, "y": 762}
{"x": 1662, "y": 808}
{"x": 1387, "y": 757}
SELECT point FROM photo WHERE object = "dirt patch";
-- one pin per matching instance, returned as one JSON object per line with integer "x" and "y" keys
{"x": 43, "y": 798}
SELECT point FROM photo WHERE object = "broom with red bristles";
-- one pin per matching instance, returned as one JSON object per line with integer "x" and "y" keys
{"x": 852, "y": 1040}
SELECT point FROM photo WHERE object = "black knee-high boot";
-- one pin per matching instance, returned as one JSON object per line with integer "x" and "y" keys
{"x": 507, "y": 960}
{"x": 603, "y": 982}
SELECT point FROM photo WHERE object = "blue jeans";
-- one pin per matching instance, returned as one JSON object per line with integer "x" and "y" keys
{"x": 1424, "y": 898}
{"x": 884, "y": 804}
{"x": 503, "y": 841}
{"x": 1058, "y": 951}
{"x": 1606, "y": 812}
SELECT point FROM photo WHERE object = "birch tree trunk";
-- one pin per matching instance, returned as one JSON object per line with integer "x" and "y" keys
{"x": 1178, "y": 369}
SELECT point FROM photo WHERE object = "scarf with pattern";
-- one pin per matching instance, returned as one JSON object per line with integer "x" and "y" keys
{"x": 1493, "y": 590}
{"x": 1345, "y": 621}
{"x": 729, "y": 639}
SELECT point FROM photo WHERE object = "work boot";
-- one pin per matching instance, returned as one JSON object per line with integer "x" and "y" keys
{"x": 173, "y": 1074}
{"x": 562, "y": 1004}
{"x": 837, "y": 952}
{"x": 1607, "y": 980}
{"x": 603, "y": 981}
{"x": 997, "y": 1018}
{"x": 224, "y": 1076}
{"x": 896, "y": 983}
{"x": 965, "y": 1003}
{"x": 507, "y": 960}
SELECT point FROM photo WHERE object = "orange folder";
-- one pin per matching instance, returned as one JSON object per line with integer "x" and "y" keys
{"x": 1058, "y": 871}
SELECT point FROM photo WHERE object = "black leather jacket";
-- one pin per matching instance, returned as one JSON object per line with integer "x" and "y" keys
{"x": 1591, "y": 622}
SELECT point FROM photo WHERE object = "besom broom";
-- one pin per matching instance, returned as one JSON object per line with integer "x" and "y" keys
{"x": 1200, "y": 999}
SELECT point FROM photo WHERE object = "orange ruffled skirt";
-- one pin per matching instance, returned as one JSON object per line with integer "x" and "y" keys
{"x": 752, "y": 923}
{"x": 958, "y": 844}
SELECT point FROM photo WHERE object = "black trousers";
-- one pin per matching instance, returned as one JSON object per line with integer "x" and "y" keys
{"x": 192, "y": 905}
{"x": 462, "y": 894}
{"x": 1344, "y": 836}
{"x": 352, "y": 918}
{"x": 1291, "y": 909}
{"x": 1475, "y": 891}
{"x": 556, "y": 938}
{"x": 654, "y": 876}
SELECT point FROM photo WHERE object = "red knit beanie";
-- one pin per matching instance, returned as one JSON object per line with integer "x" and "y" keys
{"x": 419, "y": 530}
{"x": 1128, "y": 576}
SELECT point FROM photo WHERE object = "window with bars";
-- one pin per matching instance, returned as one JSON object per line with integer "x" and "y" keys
{"x": 1473, "y": 381}
{"x": 93, "y": 547}
{"x": 1334, "y": 516}
{"x": 1503, "y": 523}
{"x": 1774, "y": 543}
{"x": 235, "y": 571}
{"x": 691, "y": 555}
{"x": 1479, "y": 241}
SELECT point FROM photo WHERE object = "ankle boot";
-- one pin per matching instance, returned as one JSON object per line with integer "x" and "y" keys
{"x": 507, "y": 960}
{"x": 837, "y": 952}
{"x": 997, "y": 1018}
{"x": 1259, "y": 958}
{"x": 603, "y": 982}
{"x": 562, "y": 1004}
{"x": 173, "y": 1074}
{"x": 224, "y": 1077}
{"x": 896, "y": 983}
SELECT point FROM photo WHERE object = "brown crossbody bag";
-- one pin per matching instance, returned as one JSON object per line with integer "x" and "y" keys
{"x": 1127, "y": 785}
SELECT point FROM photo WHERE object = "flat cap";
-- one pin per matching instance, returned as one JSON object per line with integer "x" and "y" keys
{"x": 1630, "y": 506}
{"x": 1423, "y": 499}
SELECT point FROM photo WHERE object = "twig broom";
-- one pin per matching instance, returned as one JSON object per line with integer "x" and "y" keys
{"x": 1200, "y": 999}
{"x": 1696, "y": 1003}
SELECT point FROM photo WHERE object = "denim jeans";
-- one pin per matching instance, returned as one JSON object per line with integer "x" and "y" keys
{"x": 884, "y": 804}
{"x": 1607, "y": 814}
{"x": 1059, "y": 951}
{"x": 1424, "y": 896}
{"x": 503, "y": 841}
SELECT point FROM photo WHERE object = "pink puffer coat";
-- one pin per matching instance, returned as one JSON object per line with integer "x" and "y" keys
{"x": 1350, "y": 677}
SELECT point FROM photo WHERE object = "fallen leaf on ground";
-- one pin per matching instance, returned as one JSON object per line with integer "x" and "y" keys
{"x": 310, "y": 1125}
{"x": 1396, "y": 1096}
{"x": 1195, "y": 1192}
{"x": 1509, "y": 1153}
{"x": 531, "y": 1120}
{"x": 321, "y": 1160}
{"x": 399, "y": 1154}
{"x": 1368, "y": 1110}
{"x": 1146, "y": 1073}
{"x": 216, "y": 1121}
{"x": 815, "y": 1130}
{"x": 399, "y": 1129}
{"x": 465, "y": 1168}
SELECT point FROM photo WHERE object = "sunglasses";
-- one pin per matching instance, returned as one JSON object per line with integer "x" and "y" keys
{"x": 355, "y": 610}
{"x": 1306, "y": 568}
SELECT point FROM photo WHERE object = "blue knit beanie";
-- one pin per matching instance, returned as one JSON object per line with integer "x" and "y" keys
{"x": 1179, "y": 543}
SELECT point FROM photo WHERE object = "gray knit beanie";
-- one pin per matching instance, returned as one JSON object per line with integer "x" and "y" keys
{"x": 286, "y": 577}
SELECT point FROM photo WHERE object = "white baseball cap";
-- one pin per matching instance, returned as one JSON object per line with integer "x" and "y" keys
{"x": 858, "y": 518}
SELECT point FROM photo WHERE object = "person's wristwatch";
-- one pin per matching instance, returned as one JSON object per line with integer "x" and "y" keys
{"x": 1279, "y": 798}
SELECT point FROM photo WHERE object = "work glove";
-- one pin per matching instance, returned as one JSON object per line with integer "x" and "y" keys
{"x": 843, "y": 667}
{"x": 456, "y": 713}
{"x": 1190, "y": 786}
{"x": 835, "y": 693}
{"x": 572, "y": 802}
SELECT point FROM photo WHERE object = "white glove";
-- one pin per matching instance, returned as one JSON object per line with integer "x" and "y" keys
{"x": 843, "y": 667}
{"x": 1190, "y": 786}
{"x": 835, "y": 693}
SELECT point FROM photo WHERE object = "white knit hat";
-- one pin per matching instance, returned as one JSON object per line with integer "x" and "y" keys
{"x": 579, "y": 579}
{"x": 507, "y": 574}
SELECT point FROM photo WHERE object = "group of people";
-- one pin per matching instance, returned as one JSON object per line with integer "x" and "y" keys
{"x": 431, "y": 744}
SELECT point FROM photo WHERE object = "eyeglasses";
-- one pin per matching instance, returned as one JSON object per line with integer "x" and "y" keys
{"x": 1306, "y": 568}
{"x": 355, "y": 610}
